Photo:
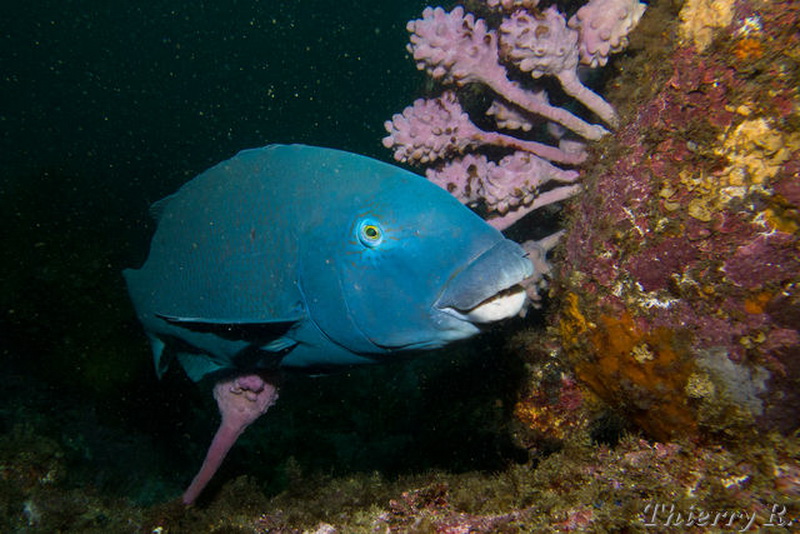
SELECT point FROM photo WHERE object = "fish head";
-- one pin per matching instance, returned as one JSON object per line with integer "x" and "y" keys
{"x": 407, "y": 267}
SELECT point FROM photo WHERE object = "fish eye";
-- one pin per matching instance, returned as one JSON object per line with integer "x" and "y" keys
{"x": 370, "y": 234}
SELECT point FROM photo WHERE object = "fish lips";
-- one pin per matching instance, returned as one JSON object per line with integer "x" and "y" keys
{"x": 488, "y": 289}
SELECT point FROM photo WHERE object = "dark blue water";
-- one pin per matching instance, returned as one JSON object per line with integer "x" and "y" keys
{"x": 158, "y": 91}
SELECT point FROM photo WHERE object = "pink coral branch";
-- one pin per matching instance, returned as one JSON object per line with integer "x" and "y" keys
{"x": 509, "y": 118}
{"x": 542, "y": 44}
{"x": 510, "y": 5}
{"x": 461, "y": 177}
{"x": 501, "y": 222}
{"x": 439, "y": 127}
{"x": 509, "y": 189}
{"x": 458, "y": 48}
{"x": 604, "y": 26}
{"x": 574, "y": 88}
{"x": 241, "y": 401}
{"x": 537, "y": 253}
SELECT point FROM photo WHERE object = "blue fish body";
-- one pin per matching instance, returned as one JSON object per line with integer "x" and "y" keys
{"x": 310, "y": 258}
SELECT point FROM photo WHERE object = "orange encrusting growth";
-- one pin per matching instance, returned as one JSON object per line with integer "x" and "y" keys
{"x": 643, "y": 372}
{"x": 748, "y": 48}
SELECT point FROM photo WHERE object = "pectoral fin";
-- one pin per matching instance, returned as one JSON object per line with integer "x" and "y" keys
{"x": 260, "y": 332}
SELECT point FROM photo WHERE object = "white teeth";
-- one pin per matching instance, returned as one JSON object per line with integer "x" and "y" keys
{"x": 501, "y": 306}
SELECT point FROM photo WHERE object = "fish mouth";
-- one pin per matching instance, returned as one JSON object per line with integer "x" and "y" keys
{"x": 487, "y": 289}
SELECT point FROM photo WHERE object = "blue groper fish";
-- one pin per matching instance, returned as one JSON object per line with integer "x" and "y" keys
{"x": 298, "y": 257}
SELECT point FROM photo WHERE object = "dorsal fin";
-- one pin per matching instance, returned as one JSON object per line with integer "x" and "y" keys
{"x": 158, "y": 207}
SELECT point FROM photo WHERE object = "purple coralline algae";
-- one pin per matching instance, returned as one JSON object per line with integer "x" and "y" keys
{"x": 681, "y": 260}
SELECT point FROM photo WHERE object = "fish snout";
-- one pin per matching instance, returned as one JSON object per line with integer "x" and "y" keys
{"x": 487, "y": 289}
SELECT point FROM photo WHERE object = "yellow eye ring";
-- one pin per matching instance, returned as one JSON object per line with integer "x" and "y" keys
{"x": 370, "y": 234}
